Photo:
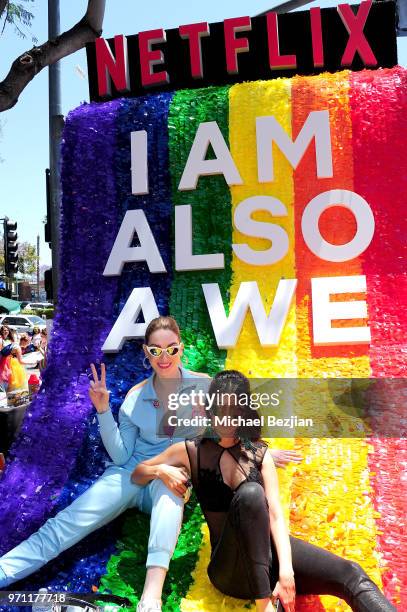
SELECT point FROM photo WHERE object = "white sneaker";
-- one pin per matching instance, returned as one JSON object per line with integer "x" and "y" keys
{"x": 149, "y": 605}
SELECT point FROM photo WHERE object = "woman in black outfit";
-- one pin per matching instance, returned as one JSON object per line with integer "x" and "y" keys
{"x": 236, "y": 483}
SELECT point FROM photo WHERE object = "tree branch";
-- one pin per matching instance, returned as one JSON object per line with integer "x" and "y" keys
{"x": 6, "y": 9}
{"x": 30, "y": 63}
{"x": 3, "y": 4}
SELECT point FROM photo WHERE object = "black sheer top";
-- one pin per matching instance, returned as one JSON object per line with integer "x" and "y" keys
{"x": 216, "y": 474}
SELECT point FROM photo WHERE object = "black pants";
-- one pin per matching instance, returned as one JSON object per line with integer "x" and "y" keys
{"x": 244, "y": 563}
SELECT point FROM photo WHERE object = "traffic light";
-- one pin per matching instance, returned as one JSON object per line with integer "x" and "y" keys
{"x": 49, "y": 289}
{"x": 10, "y": 247}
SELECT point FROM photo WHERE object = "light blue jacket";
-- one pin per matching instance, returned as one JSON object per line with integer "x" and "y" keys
{"x": 135, "y": 439}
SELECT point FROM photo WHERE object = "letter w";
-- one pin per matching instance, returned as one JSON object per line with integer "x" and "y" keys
{"x": 269, "y": 328}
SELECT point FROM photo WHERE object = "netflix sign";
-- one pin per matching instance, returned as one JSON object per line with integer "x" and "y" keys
{"x": 244, "y": 48}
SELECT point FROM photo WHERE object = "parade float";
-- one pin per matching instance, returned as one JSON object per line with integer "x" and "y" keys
{"x": 247, "y": 177}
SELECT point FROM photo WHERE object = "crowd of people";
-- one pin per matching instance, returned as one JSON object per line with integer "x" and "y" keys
{"x": 13, "y": 346}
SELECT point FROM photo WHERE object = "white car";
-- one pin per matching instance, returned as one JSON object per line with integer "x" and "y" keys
{"x": 22, "y": 323}
{"x": 37, "y": 305}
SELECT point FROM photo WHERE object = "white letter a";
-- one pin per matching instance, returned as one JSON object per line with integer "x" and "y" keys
{"x": 134, "y": 222}
{"x": 209, "y": 134}
{"x": 125, "y": 328}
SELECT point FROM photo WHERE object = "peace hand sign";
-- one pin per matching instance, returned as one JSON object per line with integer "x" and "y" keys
{"x": 98, "y": 392}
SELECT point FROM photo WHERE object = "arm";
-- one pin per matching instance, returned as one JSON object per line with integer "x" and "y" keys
{"x": 119, "y": 441}
{"x": 171, "y": 466}
{"x": 285, "y": 588}
{"x": 16, "y": 352}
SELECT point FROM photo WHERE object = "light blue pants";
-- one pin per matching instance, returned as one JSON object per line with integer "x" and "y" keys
{"x": 108, "y": 497}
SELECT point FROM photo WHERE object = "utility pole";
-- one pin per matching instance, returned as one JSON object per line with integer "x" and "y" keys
{"x": 38, "y": 268}
{"x": 56, "y": 122}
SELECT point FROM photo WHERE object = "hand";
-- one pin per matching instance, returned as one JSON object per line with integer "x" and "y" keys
{"x": 285, "y": 591}
{"x": 174, "y": 478}
{"x": 283, "y": 457}
{"x": 98, "y": 392}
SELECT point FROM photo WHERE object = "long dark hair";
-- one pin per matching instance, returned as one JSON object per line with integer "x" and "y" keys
{"x": 11, "y": 333}
{"x": 230, "y": 382}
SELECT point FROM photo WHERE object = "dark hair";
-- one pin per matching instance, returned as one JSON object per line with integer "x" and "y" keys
{"x": 163, "y": 322}
{"x": 11, "y": 332}
{"x": 234, "y": 382}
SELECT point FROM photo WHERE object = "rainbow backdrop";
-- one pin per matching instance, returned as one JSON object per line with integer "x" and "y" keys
{"x": 349, "y": 495}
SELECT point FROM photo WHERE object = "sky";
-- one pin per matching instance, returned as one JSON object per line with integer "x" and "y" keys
{"x": 24, "y": 129}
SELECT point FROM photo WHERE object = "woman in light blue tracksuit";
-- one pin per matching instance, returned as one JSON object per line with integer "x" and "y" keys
{"x": 137, "y": 438}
